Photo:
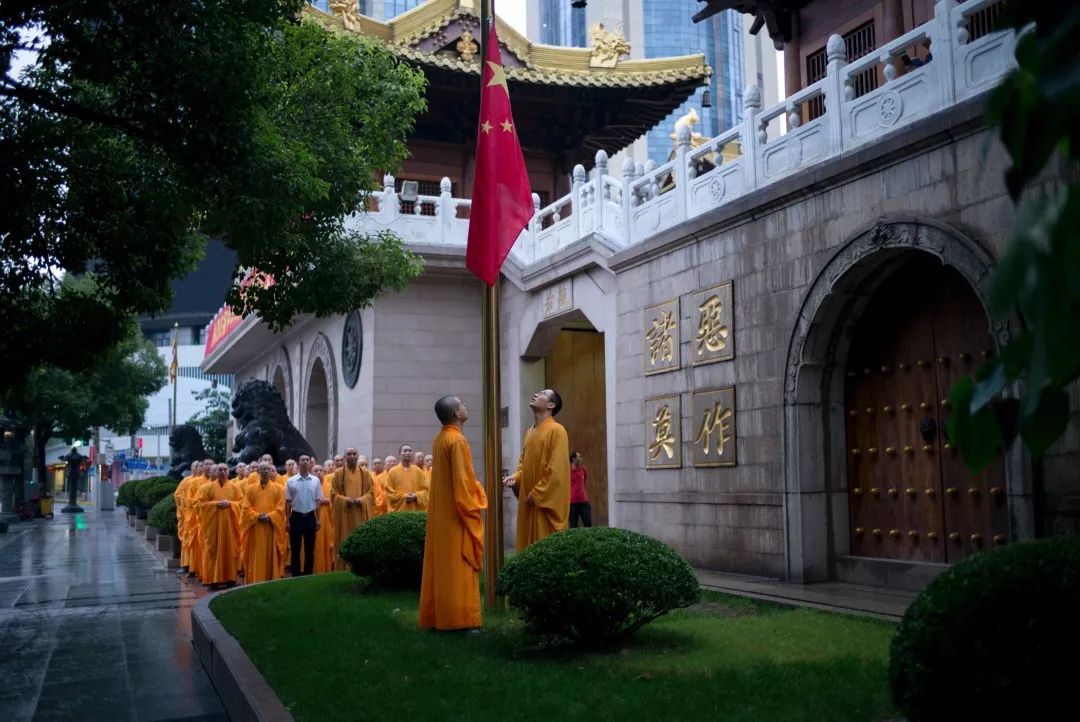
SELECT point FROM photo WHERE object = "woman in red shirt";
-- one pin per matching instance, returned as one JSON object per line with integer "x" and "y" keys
{"x": 579, "y": 500}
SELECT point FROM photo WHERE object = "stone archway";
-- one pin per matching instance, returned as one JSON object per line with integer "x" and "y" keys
{"x": 815, "y": 486}
{"x": 319, "y": 398}
{"x": 282, "y": 378}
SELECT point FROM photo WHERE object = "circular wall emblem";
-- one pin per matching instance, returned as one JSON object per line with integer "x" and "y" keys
{"x": 716, "y": 188}
{"x": 352, "y": 348}
{"x": 890, "y": 108}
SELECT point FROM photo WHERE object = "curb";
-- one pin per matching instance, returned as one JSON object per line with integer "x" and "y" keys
{"x": 244, "y": 693}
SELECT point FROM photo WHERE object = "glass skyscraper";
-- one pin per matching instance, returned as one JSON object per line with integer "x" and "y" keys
{"x": 561, "y": 24}
{"x": 378, "y": 9}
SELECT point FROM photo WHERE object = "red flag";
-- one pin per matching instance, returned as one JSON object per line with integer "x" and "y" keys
{"x": 501, "y": 198}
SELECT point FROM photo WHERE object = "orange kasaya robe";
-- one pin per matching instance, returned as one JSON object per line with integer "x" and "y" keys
{"x": 263, "y": 542}
{"x": 193, "y": 522}
{"x": 182, "y": 530}
{"x": 401, "y": 481}
{"x": 220, "y": 528}
{"x": 354, "y": 484}
{"x": 379, "y": 481}
{"x": 324, "y": 536}
{"x": 543, "y": 475}
{"x": 454, "y": 545}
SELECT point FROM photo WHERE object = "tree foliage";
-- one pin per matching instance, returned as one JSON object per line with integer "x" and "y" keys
{"x": 213, "y": 420}
{"x": 1022, "y": 391}
{"x": 138, "y": 128}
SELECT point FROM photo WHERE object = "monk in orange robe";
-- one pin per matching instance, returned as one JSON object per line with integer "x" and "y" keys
{"x": 378, "y": 477}
{"x": 428, "y": 463}
{"x": 542, "y": 479}
{"x": 262, "y": 528}
{"x": 454, "y": 545}
{"x": 191, "y": 506}
{"x": 324, "y": 534}
{"x": 219, "y": 522}
{"x": 352, "y": 495}
{"x": 406, "y": 486}
{"x": 183, "y": 529}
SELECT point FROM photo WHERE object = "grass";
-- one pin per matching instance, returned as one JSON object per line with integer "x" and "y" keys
{"x": 334, "y": 650}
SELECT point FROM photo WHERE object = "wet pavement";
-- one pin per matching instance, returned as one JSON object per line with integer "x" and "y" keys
{"x": 93, "y": 627}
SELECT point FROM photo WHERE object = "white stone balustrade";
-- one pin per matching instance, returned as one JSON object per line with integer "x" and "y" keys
{"x": 648, "y": 199}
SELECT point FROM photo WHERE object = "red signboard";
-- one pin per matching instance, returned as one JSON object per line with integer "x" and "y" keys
{"x": 221, "y": 325}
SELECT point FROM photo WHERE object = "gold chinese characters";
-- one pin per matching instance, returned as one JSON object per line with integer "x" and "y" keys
{"x": 663, "y": 448}
{"x": 662, "y": 337}
{"x": 713, "y": 427}
{"x": 713, "y": 321}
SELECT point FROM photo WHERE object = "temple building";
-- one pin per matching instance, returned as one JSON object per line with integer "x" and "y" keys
{"x": 755, "y": 340}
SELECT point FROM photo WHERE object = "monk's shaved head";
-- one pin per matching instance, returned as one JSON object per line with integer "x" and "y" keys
{"x": 445, "y": 408}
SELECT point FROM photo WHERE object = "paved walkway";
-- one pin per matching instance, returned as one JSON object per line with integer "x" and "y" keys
{"x": 92, "y": 627}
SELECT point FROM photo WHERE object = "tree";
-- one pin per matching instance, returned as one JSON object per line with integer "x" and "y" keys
{"x": 111, "y": 391}
{"x": 213, "y": 420}
{"x": 139, "y": 128}
{"x": 1022, "y": 391}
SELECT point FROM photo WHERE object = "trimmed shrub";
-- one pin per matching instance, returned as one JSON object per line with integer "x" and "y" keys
{"x": 154, "y": 489}
{"x": 388, "y": 550}
{"x": 162, "y": 516}
{"x": 596, "y": 585}
{"x": 126, "y": 495}
{"x": 991, "y": 637}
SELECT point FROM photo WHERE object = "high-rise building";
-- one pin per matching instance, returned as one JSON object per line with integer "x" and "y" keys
{"x": 378, "y": 9}
{"x": 560, "y": 23}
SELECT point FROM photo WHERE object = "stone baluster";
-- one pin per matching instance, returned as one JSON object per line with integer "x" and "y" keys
{"x": 577, "y": 200}
{"x": 653, "y": 188}
{"x": 444, "y": 210}
{"x": 598, "y": 194}
{"x": 389, "y": 207}
{"x": 836, "y": 91}
{"x": 749, "y": 135}
{"x": 682, "y": 178}
{"x": 947, "y": 33}
{"x": 534, "y": 227}
{"x": 629, "y": 198}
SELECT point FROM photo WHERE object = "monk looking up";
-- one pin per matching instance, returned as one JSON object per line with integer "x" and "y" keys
{"x": 262, "y": 524}
{"x": 352, "y": 493}
{"x": 406, "y": 486}
{"x": 454, "y": 543}
{"x": 542, "y": 479}
{"x": 219, "y": 522}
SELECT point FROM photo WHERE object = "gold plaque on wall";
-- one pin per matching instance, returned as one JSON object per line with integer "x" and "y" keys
{"x": 712, "y": 427}
{"x": 661, "y": 337}
{"x": 713, "y": 318}
{"x": 663, "y": 440}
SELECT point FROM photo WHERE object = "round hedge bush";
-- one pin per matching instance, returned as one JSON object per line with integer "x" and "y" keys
{"x": 162, "y": 516}
{"x": 126, "y": 495}
{"x": 154, "y": 489}
{"x": 388, "y": 550}
{"x": 596, "y": 585}
{"x": 989, "y": 638}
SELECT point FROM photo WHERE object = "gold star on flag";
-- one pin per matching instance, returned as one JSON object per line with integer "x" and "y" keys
{"x": 498, "y": 76}
{"x": 507, "y": 126}
{"x": 485, "y": 126}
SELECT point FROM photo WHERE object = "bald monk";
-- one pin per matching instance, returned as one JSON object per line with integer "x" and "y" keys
{"x": 262, "y": 528}
{"x": 428, "y": 462}
{"x": 324, "y": 534}
{"x": 542, "y": 479}
{"x": 363, "y": 462}
{"x": 454, "y": 544}
{"x": 378, "y": 477}
{"x": 391, "y": 462}
{"x": 352, "y": 494}
{"x": 183, "y": 530}
{"x": 191, "y": 506}
{"x": 406, "y": 486}
{"x": 219, "y": 522}
{"x": 290, "y": 471}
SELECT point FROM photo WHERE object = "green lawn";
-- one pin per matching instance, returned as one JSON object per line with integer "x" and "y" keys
{"x": 334, "y": 651}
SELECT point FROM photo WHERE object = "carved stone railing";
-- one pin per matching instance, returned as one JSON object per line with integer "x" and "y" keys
{"x": 648, "y": 199}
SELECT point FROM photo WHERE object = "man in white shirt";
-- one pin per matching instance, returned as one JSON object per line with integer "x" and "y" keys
{"x": 302, "y": 495}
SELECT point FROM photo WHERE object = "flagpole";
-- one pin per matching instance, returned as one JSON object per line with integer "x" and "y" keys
{"x": 493, "y": 530}
{"x": 176, "y": 376}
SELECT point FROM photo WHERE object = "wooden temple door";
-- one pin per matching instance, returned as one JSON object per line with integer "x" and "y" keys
{"x": 911, "y": 497}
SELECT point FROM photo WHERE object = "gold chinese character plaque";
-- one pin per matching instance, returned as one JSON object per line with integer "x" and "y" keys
{"x": 712, "y": 425}
{"x": 663, "y": 442}
{"x": 713, "y": 319}
{"x": 661, "y": 337}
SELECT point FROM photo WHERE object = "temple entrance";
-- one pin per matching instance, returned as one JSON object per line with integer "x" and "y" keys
{"x": 910, "y": 496}
{"x": 575, "y": 368}
{"x": 317, "y": 417}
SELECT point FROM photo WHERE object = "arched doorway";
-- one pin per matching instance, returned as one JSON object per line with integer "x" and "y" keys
{"x": 282, "y": 388}
{"x": 910, "y": 495}
{"x": 317, "y": 413}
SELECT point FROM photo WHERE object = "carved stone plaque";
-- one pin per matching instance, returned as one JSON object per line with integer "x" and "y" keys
{"x": 713, "y": 318}
{"x": 352, "y": 348}
{"x": 661, "y": 337}
{"x": 663, "y": 437}
{"x": 712, "y": 427}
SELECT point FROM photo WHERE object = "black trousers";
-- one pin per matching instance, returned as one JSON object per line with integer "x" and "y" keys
{"x": 580, "y": 510}
{"x": 302, "y": 527}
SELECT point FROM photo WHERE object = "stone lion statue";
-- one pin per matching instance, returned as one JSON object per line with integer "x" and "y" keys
{"x": 186, "y": 445}
{"x": 263, "y": 426}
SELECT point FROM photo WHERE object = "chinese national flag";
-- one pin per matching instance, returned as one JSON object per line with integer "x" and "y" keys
{"x": 501, "y": 197}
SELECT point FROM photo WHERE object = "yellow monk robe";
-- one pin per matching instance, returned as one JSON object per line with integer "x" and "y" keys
{"x": 401, "y": 481}
{"x": 543, "y": 475}
{"x": 324, "y": 536}
{"x": 220, "y": 530}
{"x": 379, "y": 481}
{"x": 354, "y": 484}
{"x": 191, "y": 511}
{"x": 454, "y": 545}
{"x": 182, "y": 530}
{"x": 263, "y": 542}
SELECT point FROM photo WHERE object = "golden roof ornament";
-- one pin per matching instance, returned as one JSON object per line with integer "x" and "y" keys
{"x": 467, "y": 47}
{"x": 607, "y": 47}
{"x": 349, "y": 12}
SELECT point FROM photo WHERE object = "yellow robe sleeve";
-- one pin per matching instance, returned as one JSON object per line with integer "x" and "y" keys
{"x": 424, "y": 492}
{"x": 552, "y": 489}
{"x": 395, "y": 495}
{"x": 470, "y": 501}
{"x": 367, "y": 493}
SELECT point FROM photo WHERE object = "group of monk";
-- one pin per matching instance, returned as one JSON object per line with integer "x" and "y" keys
{"x": 239, "y": 525}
